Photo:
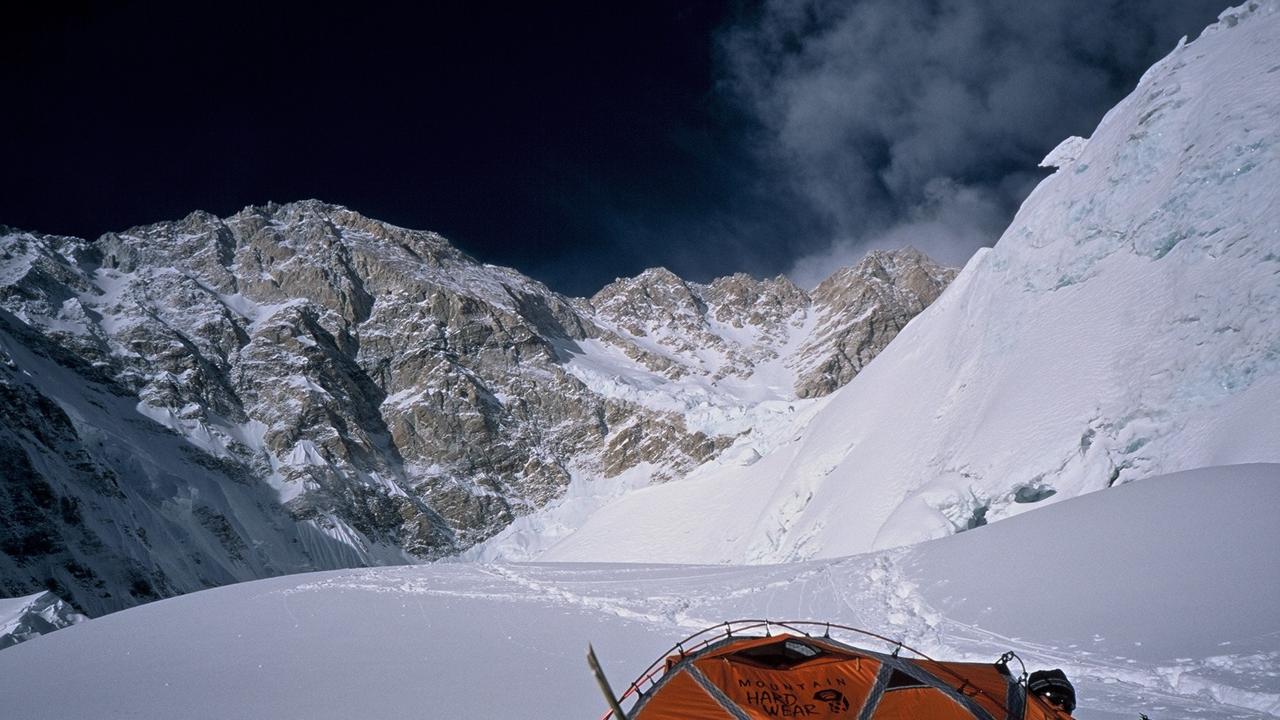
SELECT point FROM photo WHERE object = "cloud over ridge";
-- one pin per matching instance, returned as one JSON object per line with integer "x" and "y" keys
{"x": 923, "y": 122}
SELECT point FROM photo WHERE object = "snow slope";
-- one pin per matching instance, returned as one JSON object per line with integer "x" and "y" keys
{"x": 1157, "y": 597}
{"x": 1127, "y": 324}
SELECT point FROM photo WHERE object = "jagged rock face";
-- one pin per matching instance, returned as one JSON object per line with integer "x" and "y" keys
{"x": 860, "y": 310}
{"x": 650, "y": 435}
{"x": 108, "y": 508}
{"x": 392, "y": 393}
{"x": 719, "y": 330}
{"x": 27, "y": 617}
{"x": 847, "y": 320}
{"x": 741, "y": 300}
{"x": 372, "y": 359}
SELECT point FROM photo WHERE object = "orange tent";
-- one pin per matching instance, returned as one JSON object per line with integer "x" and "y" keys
{"x": 797, "y": 675}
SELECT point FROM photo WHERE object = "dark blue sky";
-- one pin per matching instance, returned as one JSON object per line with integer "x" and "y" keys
{"x": 576, "y": 142}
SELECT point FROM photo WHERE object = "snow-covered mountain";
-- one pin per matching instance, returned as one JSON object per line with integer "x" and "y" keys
{"x": 298, "y": 387}
{"x": 27, "y": 617}
{"x": 110, "y": 508}
{"x": 1125, "y": 327}
{"x": 1127, "y": 324}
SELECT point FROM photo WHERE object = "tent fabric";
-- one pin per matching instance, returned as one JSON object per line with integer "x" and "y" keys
{"x": 790, "y": 676}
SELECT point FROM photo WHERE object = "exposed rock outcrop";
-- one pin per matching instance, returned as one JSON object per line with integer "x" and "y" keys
{"x": 26, "y": 617}
{"x": 374, "y": 388}
{"x": 860, "y": 309}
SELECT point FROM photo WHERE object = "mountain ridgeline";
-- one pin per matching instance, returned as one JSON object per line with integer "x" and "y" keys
{"x": 1125, "y": 326}
{"x": 298, "y": 387}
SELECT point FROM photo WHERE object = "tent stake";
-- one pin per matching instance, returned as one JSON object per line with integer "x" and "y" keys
{"x": 603, "y": 682}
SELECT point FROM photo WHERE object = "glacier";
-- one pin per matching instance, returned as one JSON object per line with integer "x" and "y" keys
{"x": 1127, "y": 324}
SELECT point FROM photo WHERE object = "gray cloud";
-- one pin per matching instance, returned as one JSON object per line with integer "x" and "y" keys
{"x": 922, "y": 122}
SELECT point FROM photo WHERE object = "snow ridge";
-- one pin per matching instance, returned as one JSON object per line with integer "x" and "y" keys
{"x": 1127, "y": 324}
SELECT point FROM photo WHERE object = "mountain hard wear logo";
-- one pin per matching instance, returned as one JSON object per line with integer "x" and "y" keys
{"x": 835, "y": 700}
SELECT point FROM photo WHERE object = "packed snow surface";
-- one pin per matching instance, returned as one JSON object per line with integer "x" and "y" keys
{"x": 1127, "y": 324}
{"x": 1157, "y": 597}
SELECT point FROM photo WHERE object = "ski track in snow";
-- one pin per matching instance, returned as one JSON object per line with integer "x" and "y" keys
{"x": 885, "y": 601}
{"x": 415, "y": 641}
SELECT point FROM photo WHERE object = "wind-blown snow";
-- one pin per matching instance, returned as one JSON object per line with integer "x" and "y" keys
{"x": 1127, "y": 324}
{"x": 1158, "y": 597}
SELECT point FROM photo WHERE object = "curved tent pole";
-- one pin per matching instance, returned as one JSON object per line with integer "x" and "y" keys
{"x": 727, "y": 629}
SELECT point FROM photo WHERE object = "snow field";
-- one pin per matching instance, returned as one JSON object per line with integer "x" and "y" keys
{"x": 1146, "y": 614}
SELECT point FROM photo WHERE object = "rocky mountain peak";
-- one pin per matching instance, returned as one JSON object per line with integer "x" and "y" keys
{"x": 394, "y": 398}
{"x": 906, "y": 269}
{"x": 860, "y": 310}
{"x": 742, "y": 300}
{"x": 24, "y": 618}
{"x": 656, "y": 295}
